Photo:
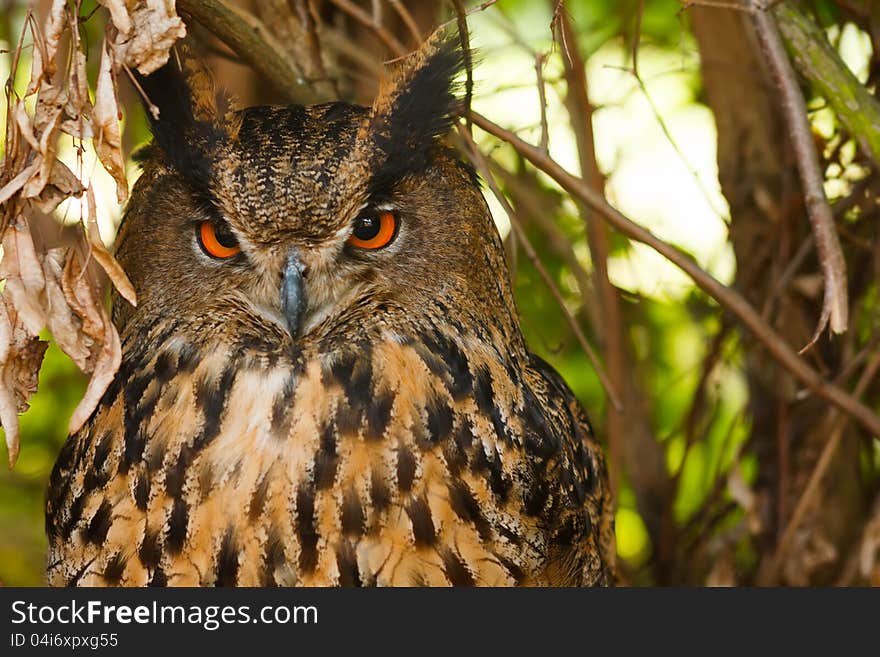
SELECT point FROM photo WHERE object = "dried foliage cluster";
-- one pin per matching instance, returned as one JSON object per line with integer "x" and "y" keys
{"x": 809, "y": 511}
{"x": 60, "y": 288}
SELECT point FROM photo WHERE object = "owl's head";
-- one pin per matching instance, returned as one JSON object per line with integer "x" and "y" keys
{"x": 311, "y": 226}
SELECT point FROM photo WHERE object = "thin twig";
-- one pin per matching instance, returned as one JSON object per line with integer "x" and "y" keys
{"x": 362, "y": 17}
{"x": 835, "y": 304}
{"x": 542, "y": 100}
{"x": 408, "y": 20}
{"x": 856, "y": 107}
{"x": 727, "y": 297}
{"x": 637, "y": 37}
{"x": 253, "y": 42}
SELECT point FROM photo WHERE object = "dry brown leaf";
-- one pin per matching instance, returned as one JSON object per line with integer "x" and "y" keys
{"x": 105, "y": 123}
{"x": 62, "y": 185}
{"x": 118, "y": 14}
{"x": 20, "y": 358}
{"x": 14, "y": 186}
{"x": 23, "y": 121}
{"x": 79, "y": 105}
{"x": 84, "y": 297}
{"x": 100, "y": 253}
{"x": 47, "y": 122}
{"x": 155, "y": 28}
{"x": 65, "y": 325}
{"x": 23, "y": 273}
{"x": 53, "y": 28}
{"x": 108, "y": 362}
{"x": 115, "y": 272}
{"x": 40, "y": 61}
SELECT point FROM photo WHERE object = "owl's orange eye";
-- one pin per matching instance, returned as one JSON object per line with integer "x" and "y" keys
{"x": 373, "y": 231}
{"x": 217, "y": 241}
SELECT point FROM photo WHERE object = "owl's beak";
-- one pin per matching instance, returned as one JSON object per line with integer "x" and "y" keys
{"x": 293, "y": 296}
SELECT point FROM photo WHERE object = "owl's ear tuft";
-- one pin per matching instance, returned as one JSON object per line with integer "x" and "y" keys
{"x": 415, "y": 107}
{"x": 182, "y": 108}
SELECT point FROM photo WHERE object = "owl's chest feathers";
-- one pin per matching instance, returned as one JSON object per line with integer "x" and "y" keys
{"x": 389, "y": 463}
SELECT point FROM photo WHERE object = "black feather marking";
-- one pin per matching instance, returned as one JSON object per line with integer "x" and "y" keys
{"x": 165, "y": 367}
{"x": 352, "y": 370}
{"x": 380, "y": 496}
{"x": 134, "y": 420}
{"x": 440, "y": 419}
{"x": 466, "y": 507}
{"x": 282, "y": 405}
{"x": 75, "y": 515}
{"x": 274, "y": 559}
{"x": 114, "y": 569}
{"x": 346, "y": 562}
{"x": 150, "y": 552}
{"x": 175, "y": 477}
{"x": 446, "y": 360}
{"x": 455, "y": 458}
{"x": 99, "y": 525}
{"x": 159, "y": 579}
{"x": 352, "y": 513}
{"x": 186, "y": 141}
{"x": 424, "y": 532}
{"x": 483, "y": 390}
{"x": 464, "y": 437}
{"x": 178, "y": 522}
{"x": 79, "y": 574}
{"x": 227, "y": 561}
{"x": 258, "y": 501}
{"x": 515, "y": 571}
{"x": 326, "y": 459}
{"x": 456, "y": 570}
{"x": 142, "y": 491}
{"x": 498, "y": 481}
{"x": 378, "y": 414}
{"x": 305, "y": 529}
{"x": 421, "y": 110}
{"x": 338, "y": 370}
{"x": 348, "y": 418}
{"x": 535, "y": 497}
{"x": 212, "y": 400}
{"x": 406, "y": 469}
{"x": 187, "y": 358}
{"x": 102, "y": 450}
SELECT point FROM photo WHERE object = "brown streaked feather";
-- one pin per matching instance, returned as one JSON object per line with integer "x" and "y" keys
{"x": 248, "y": 505}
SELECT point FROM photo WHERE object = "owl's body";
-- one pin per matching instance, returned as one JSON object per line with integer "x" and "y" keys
{"x": 313, "y": 411}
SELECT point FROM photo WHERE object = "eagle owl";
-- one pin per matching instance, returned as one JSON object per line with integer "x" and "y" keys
{"x": 324, "y": 381}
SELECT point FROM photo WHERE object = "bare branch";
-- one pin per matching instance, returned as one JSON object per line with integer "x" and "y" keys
{"x": 835, "y": 305}
{"x": 253, "y": 42}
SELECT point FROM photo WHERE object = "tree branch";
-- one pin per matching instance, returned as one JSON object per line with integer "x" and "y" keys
{"x": 815, "y": 59}
{"x": 835, "y": 305}
{"x": 727, "y": 297}
{"x": 253, "y": 42}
